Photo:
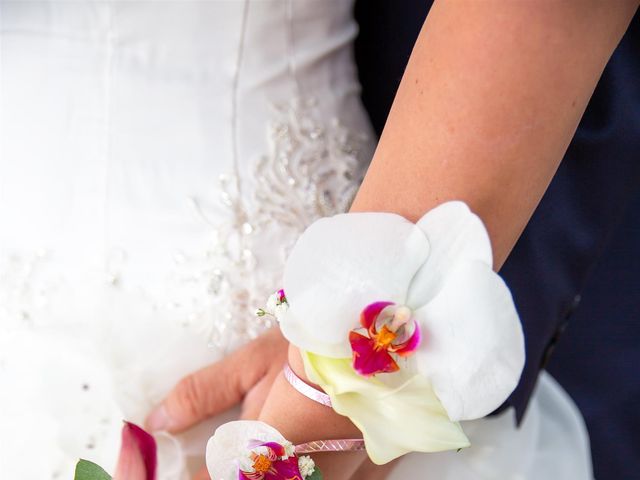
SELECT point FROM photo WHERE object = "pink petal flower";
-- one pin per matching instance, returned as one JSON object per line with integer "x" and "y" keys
{"x": 369, "y": 360}
{"x": 138, "y": 456}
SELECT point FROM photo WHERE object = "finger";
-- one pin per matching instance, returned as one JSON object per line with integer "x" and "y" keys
{"x": 254, "y": 400}
{"x": 202, "y": 474}
{"x": 209, "y": 391}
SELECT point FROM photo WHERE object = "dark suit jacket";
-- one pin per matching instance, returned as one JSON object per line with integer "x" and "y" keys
{"x": 549, "y": 268}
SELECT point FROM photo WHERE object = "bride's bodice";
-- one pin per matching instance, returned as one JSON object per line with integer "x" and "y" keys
{"x": 178, "y": 147}
{"x": 157, "y": 161}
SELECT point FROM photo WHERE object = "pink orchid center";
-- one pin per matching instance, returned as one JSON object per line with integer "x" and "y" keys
{"x": 384, "y": 338}
{"x": 401, "y": 317}
{"x": 261, "y": 463}
{"x": 270, "y": 461}
{"x": 388, "y": 329}
{"x": 262, "y": 459}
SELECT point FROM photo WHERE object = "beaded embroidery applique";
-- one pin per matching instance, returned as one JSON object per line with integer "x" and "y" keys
{"x": 312, "y": 170}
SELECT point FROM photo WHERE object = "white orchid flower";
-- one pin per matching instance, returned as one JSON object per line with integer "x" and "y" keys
{"x": 250, "y": 450}
{"x": 415, "y": 299}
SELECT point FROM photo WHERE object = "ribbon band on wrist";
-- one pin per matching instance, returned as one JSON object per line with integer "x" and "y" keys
{"x": 304, "y": 388}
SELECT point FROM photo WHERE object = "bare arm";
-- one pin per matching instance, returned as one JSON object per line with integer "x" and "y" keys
{"x": 490, "y": 99}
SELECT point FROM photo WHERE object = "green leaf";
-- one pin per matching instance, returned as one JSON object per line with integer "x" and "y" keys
{"x": 86, "y": 470}
{"x": 316, "y": 475}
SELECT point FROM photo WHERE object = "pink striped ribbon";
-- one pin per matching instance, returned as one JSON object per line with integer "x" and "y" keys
{"x": 344, "y": 445}
{"x": 316, "y": 446}
{"x": 304, "y": 388}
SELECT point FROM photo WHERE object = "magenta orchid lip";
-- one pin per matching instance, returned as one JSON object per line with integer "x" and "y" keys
{"x": 270, "y": 461}
{"x": 384, "y": 338}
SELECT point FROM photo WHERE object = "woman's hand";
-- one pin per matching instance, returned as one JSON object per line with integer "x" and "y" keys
{"x": 245, "y": 376}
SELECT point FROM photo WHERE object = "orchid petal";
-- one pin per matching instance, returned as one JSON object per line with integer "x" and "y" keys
{"x": 408, "y": 347}
{"x": 367, "y": 360}
{"x": 370, "y": 313}
{"x": 475, "y": 350}
{"x": 341, "y": 264}
{"x": 393, "y": 421}
{"x": 250, "y": 476}
{"x": 138, "y": 455}
{"x": 285, "y": 470}
{"x": 455, "y": 234}
{"x": 295, "y": 331}
{"x": 276, "y": 447}
{"x": 230, "y": 442}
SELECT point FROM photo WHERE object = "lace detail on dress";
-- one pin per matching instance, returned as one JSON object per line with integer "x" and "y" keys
{"x": 312, "y": 170}
{"x": 23, "y": 291}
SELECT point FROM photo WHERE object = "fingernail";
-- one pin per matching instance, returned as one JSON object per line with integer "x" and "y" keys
{"x": 158, "y": 419}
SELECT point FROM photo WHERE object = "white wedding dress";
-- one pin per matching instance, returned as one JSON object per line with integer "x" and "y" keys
{"x": 157, "y": 161}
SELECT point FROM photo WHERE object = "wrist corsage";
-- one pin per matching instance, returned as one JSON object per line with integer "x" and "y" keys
{"x": 407, "y": 329}
{"x": 405, "y": 326}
